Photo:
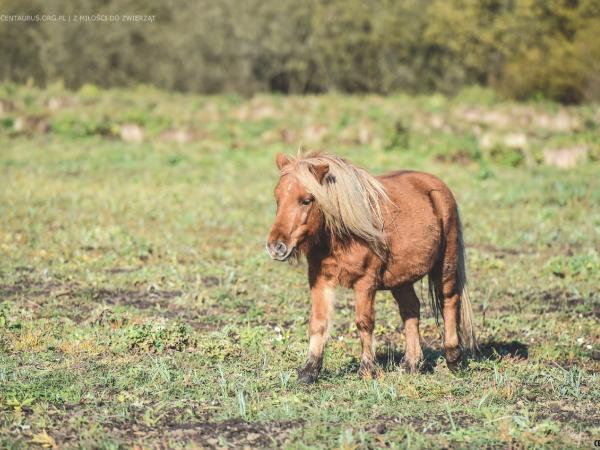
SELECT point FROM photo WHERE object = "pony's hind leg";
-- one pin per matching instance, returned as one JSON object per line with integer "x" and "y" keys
{"x": 451, "y": 312}
{"x": 410, "y": 306}
{"x": 365, "y": 322}
{"x": 451, "y": 294}
{"x": 448, "y": 281}
{"x": 446, "y": 300}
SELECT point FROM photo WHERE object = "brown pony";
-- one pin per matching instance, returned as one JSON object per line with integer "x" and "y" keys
{"x": 372, "y": 233}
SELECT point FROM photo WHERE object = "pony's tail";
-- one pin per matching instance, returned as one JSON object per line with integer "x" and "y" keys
{"x": 466, "y": 329}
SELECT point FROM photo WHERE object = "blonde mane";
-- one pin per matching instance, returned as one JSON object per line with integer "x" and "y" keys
{"x": 349, "y": 197}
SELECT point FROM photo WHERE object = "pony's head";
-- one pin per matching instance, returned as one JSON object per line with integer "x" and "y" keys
{"x": 298, "y": 217}
{"x": 318, "y": 191}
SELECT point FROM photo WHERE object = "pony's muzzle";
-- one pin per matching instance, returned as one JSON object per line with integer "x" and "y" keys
{"x": 278, "y": 250}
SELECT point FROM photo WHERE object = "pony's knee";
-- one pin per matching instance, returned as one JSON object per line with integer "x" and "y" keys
{"x": 451, "y": 296}
{"x": 365, "y": 323}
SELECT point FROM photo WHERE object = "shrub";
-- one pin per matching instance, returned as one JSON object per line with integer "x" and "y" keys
{"x": 522, "y": 48}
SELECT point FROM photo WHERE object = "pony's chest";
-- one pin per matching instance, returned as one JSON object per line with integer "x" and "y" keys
{"x": 352, "y": 265}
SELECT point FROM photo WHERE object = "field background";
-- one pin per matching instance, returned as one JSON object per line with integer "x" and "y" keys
{"x": 138, "y": 306}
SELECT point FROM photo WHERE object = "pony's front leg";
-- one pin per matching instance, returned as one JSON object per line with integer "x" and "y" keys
{"x": 322, "y": 295}
{"x": 365, "y": 322}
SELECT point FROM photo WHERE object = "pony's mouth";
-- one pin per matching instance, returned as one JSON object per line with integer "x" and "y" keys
{"x": 282, "y": 253}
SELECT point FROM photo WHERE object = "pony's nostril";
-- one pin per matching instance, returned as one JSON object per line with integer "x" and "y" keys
{"x": 280, "y": 249}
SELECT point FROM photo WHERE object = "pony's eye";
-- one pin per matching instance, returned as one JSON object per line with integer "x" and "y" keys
{"x": 306, "y": 201}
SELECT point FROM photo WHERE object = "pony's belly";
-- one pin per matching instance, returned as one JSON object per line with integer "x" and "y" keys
{"x": 411, "y": 262}
{"x": 399, "y": 274}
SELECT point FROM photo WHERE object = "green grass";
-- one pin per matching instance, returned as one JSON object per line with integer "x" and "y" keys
{"x": 137, "y": 304}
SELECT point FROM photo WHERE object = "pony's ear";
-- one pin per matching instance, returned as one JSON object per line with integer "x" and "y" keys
{"x": 320, "y": 171}
{"x": 282, "y": 160}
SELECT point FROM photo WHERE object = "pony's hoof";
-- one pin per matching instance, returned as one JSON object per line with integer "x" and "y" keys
{"x": 367, "y": 370}
{"x": 453, "y": 365}
{"x": 453, "y": 356}
{"x": 411, "y": 366}
{"x": 307, "y": 376}
{"x": 310, "y": 372}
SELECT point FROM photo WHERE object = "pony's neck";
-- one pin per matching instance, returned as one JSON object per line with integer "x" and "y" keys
{"x": 319, "y": 246}
{"x": 325, "y": 244}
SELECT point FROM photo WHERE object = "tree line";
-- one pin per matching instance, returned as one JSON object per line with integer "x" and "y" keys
{"x": 520, "y": 48}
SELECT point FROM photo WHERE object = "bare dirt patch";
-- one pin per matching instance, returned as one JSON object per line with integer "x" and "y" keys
{"x": 556, "y": 300}
{"x": 584, "y": 418}
{"x": 74, "y": 303}
{"x": 211, "y": 281}
{"x": 161, "y": 303}
{"x": 236, "y": 433}
{"x": 436, "y": 423}
{"x": 561, "y": 300}
{"x": 27, "y": 286}
{"x": 138, "y": 299}
{"x": 202, "y": 430}
{"x": 205, "y": 432}
{"x": 115, "y": 270}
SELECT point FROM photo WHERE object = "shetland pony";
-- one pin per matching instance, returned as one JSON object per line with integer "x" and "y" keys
{"x": 372, "y": 233}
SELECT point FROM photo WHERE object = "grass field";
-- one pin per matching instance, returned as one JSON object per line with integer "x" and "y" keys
{"x": 138, "y": 306}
